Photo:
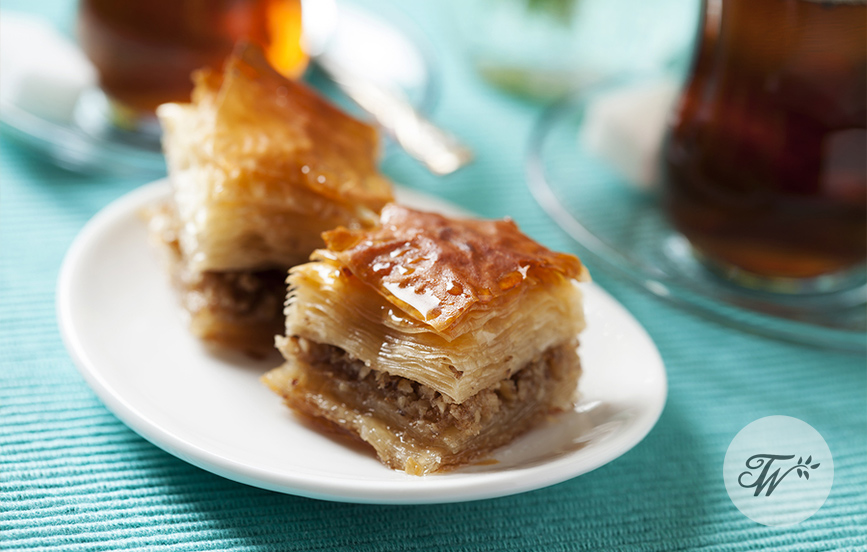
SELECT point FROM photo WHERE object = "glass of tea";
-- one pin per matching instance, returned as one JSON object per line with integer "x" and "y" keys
{"x": 145, "y": 51}
{"x": 766, "y": 160}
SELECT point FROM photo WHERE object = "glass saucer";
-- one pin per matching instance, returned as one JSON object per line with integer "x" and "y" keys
{"x": 88, "y": 143}
{"x": 624, "y": 231}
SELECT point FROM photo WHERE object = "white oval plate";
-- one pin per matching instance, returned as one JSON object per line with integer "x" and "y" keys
{"x": 122, "y": 325}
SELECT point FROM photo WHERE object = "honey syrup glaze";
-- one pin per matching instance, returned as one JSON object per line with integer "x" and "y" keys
{"x": 440, "y": 268}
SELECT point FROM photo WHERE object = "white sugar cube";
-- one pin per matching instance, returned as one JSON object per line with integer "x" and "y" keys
{"x": 41, "y": 71}
{"x": 626, "y": 128}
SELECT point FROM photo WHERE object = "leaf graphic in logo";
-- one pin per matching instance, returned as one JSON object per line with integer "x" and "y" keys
{"x": 800, "y": 460}
{"x": 806, "y": 474}
{"x": 814, "y": 466}
{"x": 809, "y": 459}
{"x": 800, "y": 473}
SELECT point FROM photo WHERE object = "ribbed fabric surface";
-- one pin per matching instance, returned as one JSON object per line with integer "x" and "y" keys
{"x": 73, "y": 477}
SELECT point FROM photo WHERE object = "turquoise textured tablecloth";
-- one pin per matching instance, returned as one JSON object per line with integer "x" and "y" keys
{"x": 73, "y": 477}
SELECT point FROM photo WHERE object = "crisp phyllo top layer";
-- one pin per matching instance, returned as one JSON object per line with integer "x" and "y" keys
{"x": 251, "y": 120}
{"x": 439, "y": 270}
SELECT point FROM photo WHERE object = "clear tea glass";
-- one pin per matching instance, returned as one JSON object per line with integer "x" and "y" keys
{"x": 766, "y": 161}
{"x": 145, "y": 50}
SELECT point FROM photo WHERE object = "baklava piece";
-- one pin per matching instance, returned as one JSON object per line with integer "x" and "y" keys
{"x": 435, "y": 340}
{"x": 260, "y": 166}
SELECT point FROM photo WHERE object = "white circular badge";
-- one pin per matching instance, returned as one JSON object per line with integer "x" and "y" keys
{"x": 778, "y": 470}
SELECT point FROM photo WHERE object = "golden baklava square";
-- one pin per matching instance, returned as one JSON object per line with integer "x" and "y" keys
{"x": 259, "y": 165}
{"x": 433, "y": 339}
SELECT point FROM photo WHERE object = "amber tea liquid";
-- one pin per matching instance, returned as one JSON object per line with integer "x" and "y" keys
{"x": 766, "y": 163}
{"x": 145, "y": 50}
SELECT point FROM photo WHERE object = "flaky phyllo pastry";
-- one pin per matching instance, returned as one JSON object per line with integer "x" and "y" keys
{"x": 434, "y": 340}
{"x": 260, "y": 166}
